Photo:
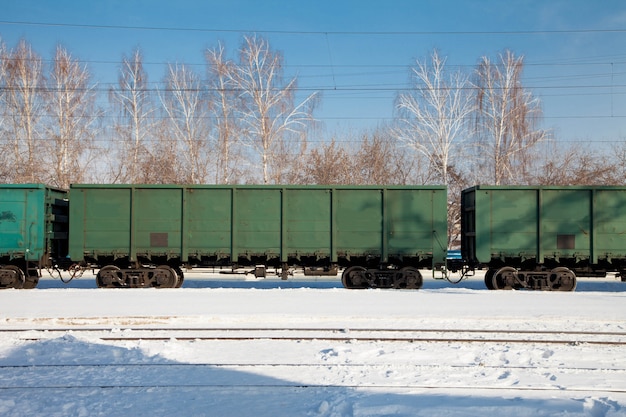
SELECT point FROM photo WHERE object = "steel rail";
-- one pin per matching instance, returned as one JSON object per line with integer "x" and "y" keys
{"x": 305, "y": 329}
{"x": 332, "y": 334}
{"x": 314, "y": 386}
{"x": 34, "y": 367}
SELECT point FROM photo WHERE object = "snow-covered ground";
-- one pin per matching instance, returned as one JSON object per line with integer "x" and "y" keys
{"x": 73, "y": 373}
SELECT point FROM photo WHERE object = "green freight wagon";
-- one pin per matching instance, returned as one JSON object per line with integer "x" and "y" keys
{"x": 541, "y": 237}
{"x": 143, "y": 235}
{"x": 33, "y": 232}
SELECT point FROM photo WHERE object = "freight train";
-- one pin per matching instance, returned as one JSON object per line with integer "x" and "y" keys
{"x": 534, "y": 237}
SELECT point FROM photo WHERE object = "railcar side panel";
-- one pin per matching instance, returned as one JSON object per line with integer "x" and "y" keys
{"x": 609, "y": 223}
{"x": 208, "y": 223}
{"x": 100, "y": 222}
{"x": 308, "y": 222}
{"x": 359, "y": 222}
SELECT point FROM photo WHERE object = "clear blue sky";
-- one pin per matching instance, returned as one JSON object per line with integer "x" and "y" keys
{"x": 359, "y": 52}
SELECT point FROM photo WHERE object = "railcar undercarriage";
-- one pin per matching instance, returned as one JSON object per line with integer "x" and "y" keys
{"x": 13, "y": 276}
{"x": 164, "y": 276}
{"x": 358, "y": 277}
{"x": 509, "y": 278}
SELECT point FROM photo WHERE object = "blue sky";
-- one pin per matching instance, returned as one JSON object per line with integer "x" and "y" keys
{"x": 358, "y": 53}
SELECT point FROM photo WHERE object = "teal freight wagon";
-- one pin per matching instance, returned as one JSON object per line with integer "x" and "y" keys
{"x": 144, "y": 235}
{"x": 33, "y": 232}
{"x": 541, "y": 237}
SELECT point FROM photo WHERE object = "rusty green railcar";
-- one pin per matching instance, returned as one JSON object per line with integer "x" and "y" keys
{"x": 144, "y": 235}
{"x": 541, "y": 237}
{"x": 33, "y": 232}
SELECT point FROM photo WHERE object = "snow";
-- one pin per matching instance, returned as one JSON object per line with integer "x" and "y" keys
{"x": 76, "y": 374}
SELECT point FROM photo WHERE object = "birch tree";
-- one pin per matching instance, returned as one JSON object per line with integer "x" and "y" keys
{"x": 273, "y": 121}
{"x": 184, "y": 102}
{"x": 223, "y": 106}
{"x": 434, "y": 113}
{"x": 24, "y": 90}
{"x": 73, "y": 125}
{"x": 132, "y": 99}
{"x": 5, "y": 148}
{"x": 507, "y": 116}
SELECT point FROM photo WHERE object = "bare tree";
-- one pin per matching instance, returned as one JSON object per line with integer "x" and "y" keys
{"x": 327, "y": 164}
{"x": 562, "y": 164}
{"x": 185, "y": 105}
{"x": 71, "y": 104}
{"x": 379, "y": 160}
{"x": 132, "y": 98}
{"x": 506, "y": 118}
{"x": 434, "y": 113}
{"x": 274, "y": 123}
{"x": 223, "y": 104}
{"x": 6, "y": 160}
{"x": 24, "y": 90}
{"x": 618, "y": 157}
{"x": 161, "y": 164}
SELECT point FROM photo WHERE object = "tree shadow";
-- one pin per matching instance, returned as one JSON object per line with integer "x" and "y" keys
{"x": 127, "y": 381}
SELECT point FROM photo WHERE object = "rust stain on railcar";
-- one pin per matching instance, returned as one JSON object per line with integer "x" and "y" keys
{"x": 7, "y": 216}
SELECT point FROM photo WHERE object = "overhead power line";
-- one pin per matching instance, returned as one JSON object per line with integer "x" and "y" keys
{"x": 321, "y": 88}
{"x": 316, "y": 32}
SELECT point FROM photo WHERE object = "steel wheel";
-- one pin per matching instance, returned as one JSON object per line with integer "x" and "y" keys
{"x": 354, "y": 278}
{"x": 562, "y": 279}
{"x": 108, "y": 277}
{"x": 505, "y": 278}
{"x": 165, "y": 277}
{"x": 181, "y": 277}
{"x": 409, "y": 278}
{"x": 489, "y": 278}
{"x": 31, "y": 281}
{"x": 15, "y": 275}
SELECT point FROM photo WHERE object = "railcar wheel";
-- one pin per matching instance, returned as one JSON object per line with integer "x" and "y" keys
{"x": 409, "y": 278}
{"x": 504, "y": 278}
{"x": 31, "y": 280}
{"x": 181, "y": 277}
{"x": 354, "y": 278}
{"x": 562, "y": 279}
{"x": 165, "y": 277}
{"x": 109, "y": 277}
{"x": 12, "y": 277}
{"x": 489, "y": 278}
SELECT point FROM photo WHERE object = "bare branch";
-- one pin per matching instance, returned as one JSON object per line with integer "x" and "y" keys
{"x": 506, "y": 118}
{"x": 273, "y": 123}
{"x": 135, "y": 106}
{"x": 70, "y": 135}
{"x": 434, "y": 113}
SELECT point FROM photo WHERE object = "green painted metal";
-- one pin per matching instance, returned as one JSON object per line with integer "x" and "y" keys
{"x": 544, "y": 222}
{"x": 244, "y": 222}
{"x": 32, "y": 222}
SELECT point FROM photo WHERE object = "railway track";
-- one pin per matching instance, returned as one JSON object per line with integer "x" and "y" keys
{"x": 122, "y": 364}
{"x": 211, "y": 376}
{"x": 324, "y": 334}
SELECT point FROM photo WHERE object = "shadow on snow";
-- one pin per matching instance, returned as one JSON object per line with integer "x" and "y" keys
{"x": 239, "y": 281}
{"x": 118, "y": 381}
